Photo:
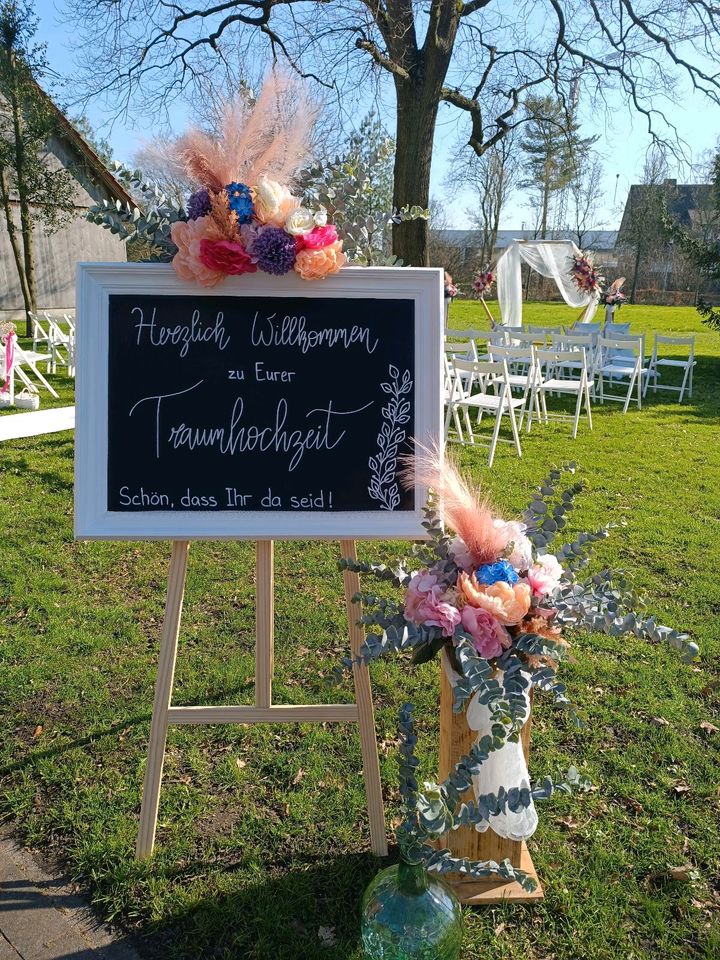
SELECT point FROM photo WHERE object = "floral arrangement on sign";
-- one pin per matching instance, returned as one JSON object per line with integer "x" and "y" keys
{"x": 450, "y": 289}
{"x": 242, "y": 216}
{"x": 614, "y": 297}
{"x": 585, "y": 275}
{"x": 484, "y": 279}
{"x": 497, "y": 600}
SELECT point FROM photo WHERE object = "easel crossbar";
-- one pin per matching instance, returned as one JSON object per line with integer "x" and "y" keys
{"x": 296, "y": 713}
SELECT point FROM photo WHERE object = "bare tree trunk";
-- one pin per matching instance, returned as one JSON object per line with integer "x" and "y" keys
{"x": 416, "y": 115}
{"x": 25, "y": 215}
{"x": 638, "y": 254}
{"x": 15, "y": 246}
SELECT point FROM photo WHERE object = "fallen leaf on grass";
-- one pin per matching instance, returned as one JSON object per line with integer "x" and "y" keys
{"x": 681, "y": 787}
{"x": 709, "y": 727}
{"x": 298, "y": 777}
{"x": 683, "y": 874}
{"x": 240, "y": 763}
{"x": 327, "y": 937}
{"x": 569, "y": 823}
{"x": 499, "y": 929}
{"x": 38, "y": 731}
{"x": 660, "y": 721}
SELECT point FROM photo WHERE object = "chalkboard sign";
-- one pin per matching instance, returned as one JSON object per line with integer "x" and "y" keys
{"x": 268, "y": 407}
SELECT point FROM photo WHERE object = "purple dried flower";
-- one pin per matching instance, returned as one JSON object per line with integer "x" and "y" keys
{"x": 274, "y": 250}
{"x": 199, "y": 204}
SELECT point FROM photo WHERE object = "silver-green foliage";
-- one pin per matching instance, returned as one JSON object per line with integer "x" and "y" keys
{"x": 144, "y": 226}
{"x": 437, "y": 809}
{"x": 356, "y": 189}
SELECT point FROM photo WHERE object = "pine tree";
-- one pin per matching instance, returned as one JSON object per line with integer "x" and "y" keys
{"x": 554, "y": 152}
{"x": 43, "y": 193}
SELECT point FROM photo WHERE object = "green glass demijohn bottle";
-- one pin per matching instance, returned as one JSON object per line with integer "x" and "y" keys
{"x": 409, "y": 914}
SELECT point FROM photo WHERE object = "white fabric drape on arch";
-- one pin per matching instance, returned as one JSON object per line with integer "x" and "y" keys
{"x": 549, "y": 258}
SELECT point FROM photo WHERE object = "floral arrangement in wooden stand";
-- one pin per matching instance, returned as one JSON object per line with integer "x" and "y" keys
{"x": 497, "y": 601}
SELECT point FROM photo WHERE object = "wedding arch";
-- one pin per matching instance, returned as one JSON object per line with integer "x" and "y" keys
{"x": 549, "y": 258}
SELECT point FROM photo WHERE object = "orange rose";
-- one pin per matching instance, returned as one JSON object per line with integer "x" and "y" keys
{"x": 316, "y": 264}
{"x": 507, "y": 602}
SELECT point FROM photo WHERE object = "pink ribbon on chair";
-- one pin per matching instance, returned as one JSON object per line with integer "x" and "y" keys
{"x": 9, "y": 359}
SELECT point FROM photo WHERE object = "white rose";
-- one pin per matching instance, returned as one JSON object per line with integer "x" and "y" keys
{"x": 299, "y": 222}
{"x": 273, "y": 202}
{"x": 521, "y": 555}
{"x": 320, "y": 218}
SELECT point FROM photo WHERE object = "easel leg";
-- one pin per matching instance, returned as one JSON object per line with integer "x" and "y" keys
{"x": 366, "y": 715}
{"x": 264, "y": 622}
{"x": 161, "y": 702}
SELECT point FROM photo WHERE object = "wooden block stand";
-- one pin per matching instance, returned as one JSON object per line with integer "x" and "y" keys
{"x": 456, "y": 740}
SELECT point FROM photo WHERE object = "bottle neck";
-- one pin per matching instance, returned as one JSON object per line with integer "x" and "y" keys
{"x": 412, "y": 877}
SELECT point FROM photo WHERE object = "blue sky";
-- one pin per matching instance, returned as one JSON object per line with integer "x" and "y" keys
{"x": 623, "y": 137}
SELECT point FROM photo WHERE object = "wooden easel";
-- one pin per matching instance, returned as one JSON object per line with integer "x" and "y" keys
{"x": 263, "y": 710}
{"x": 456, "y": 740}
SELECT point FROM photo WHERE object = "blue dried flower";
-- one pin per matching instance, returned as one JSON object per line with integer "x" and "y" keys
{"x": 274, "y": 250}
{"x": 240, "y": 201}
{"x": 491, "y": 573}
{"x": 199, "y": 204}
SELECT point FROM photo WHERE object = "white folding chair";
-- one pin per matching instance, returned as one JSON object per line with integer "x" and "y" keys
{"x": 516, "y": 359}
{"x": 544, "y": 334}
{"x": 501, "y": 402}
{"x": 448, "y": 388}
{"x": 62, "y": 346}
{"x": 685, "y": 364}
{"x": 578, "y": 341}
{"x": 549, "y": 377}
{"x": 622, "y": 358}
{"x": 41, "y": 336}
{"x": 30, "y": 359}
{"x": 70, "y": 321}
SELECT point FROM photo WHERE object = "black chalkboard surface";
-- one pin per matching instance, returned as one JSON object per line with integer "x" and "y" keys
{"x": 220, "y": 403}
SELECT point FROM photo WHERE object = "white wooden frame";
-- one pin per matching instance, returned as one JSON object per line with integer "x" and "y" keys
{"x": 97, "y": 282}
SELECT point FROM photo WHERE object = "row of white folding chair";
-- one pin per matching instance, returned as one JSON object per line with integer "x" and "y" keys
{"x": 547, "y": 372}
{"x": 60, "y": 346}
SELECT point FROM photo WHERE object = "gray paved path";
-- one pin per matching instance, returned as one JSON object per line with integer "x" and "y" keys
{"x": 42, "y": 918}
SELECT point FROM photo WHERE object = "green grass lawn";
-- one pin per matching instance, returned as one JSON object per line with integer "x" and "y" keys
{"x": 263, "y": 837}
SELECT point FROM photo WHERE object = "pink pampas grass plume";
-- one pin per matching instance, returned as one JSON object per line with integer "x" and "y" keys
{"x": 463, "y": 510}
{"x": 267, "y": 137}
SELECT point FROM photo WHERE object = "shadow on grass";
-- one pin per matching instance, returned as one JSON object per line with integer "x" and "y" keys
{"x": 305, "y": 909}
{"x": 34, "y": 755}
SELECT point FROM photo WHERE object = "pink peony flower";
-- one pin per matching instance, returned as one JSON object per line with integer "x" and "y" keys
{"x": 320, "y": 237}
{"x": 187, "y": 237}
{"x": 228, "y": 256}
{"x": 490, "y": 638}
{"x": 316, "y": 264}
{"x": 507, "y": 602}
{"x": 426, "y": 604}
{"x": 545, "y": 575}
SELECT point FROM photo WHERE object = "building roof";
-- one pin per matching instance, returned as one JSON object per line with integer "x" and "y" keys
{"x": 94, "y": 162}
{"x": 684, "y": 202}
{"x": 592, "y": 240}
